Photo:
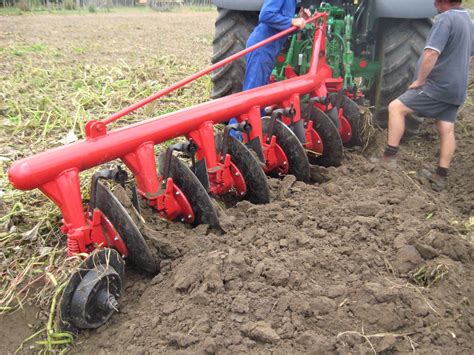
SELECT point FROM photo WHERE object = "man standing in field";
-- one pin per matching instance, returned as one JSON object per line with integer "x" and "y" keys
{"x": 439, "y": 89}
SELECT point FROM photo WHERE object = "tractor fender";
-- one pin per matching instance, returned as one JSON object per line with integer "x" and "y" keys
{"x": 410, "y": 9}
{"x": 240, "y": 5}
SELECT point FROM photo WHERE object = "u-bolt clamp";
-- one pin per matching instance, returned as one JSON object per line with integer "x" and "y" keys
{"x": 118, "y": 175}
{"x": 243, "y": 127}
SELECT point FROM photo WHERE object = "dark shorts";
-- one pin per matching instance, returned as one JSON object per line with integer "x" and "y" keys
{"x": 425, "y": 106}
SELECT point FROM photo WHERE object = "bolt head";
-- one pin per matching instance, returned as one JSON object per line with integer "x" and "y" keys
{"x": 182, "y": 219}
{"x": 242, "y": 193}
{"x": 190, "y": 216}
{"x": 349, "y": 133}
{"x": 177, "y": 193}
{"x": 319, "y": 142}
{"x": 285, "y": 163}
{"x": 237, "y": 174}
{"x": 116, "y": 238}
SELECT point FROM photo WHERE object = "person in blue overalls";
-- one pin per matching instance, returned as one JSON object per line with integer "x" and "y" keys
{"x": 275, "y": 16}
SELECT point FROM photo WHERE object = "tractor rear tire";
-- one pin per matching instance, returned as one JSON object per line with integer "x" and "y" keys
{"x": 400, "y": 44}
{"x": 233, "y": 28}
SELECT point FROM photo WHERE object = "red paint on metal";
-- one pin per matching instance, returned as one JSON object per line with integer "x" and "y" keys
{"x": 275, "y": 158}
{"x": 224, "y": 176}
{"x": 289, "y": 72}
{"x": 345, "y": 129}
{"x": 314, "y": 143}
{"x": 103, "y": 234}
{"x": 172, "y": 203}
{"x": 56, "y": 172}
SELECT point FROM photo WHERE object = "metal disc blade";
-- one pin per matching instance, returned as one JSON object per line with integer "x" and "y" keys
{"x": 201, "y": 173}
{"x": 294, "y": 150}
{"x": 247, "y": 162}
{"x": 138, "y": 251}
{"x": 188, "y": 183}
{"x": 353, "y": 116}
{"x": 333, "y": 150}
{"x": 256, "y": 146}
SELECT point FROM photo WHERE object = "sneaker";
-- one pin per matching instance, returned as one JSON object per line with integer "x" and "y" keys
{"x": 389, "y": 163}
{"x": 438, "y": 182}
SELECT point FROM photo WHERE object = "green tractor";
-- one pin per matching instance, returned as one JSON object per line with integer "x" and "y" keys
{"x": 373, "y": 44}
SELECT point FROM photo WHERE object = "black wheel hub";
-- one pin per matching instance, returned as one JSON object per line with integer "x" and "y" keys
{"x": 93, "y": 291}
{"x": 95, "y": 298}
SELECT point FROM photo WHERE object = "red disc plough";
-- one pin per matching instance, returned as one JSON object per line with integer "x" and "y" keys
{"x": 284, "y": 141}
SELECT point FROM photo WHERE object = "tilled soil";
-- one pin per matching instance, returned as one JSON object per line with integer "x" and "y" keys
{"x": 368, "y": 261}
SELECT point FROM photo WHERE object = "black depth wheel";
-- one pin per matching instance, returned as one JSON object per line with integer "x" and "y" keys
{"x": 294, "y": 150}
{"x": 92, "y": 293}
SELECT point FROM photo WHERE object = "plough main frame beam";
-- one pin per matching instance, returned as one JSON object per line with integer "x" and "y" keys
{"x": 36, "y": 171}
{"x": 56, "y": 172}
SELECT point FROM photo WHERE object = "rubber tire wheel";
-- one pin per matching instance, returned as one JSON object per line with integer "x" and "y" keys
{"x": 400, "y": 45}
{"x": 333, "y": 149}
{"x": 294, "y": 150}
{"x": 247, "y": 162}
{"x": 183, "y": 177}
{"x": 352, "y": 113}
{"x": 232, "y": 29}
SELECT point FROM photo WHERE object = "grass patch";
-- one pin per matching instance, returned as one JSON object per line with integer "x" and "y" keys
{"x": 427, "y": 276}
{"x": 46, "y": 95}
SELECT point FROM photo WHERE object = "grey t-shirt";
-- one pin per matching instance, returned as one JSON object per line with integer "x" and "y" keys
{"x": 452, "y": 36}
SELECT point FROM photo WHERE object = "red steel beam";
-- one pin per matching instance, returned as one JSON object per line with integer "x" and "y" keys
{"x": 33, "y": 172}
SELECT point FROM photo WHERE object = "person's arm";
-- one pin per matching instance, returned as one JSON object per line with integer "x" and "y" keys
{"x": 270, "y": 15}
{"x": 430, "y": 57}
{"x": 435, "y": 45}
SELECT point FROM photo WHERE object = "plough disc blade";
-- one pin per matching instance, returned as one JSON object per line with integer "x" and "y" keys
{"x": 352, "y": 114}
{"x": 248, "y": 163}
{"x": 256, "y": 146}
{"x": 138, "y": 251}
{"x": 333, "y": 150}
{"x": 188, "y": 183}
{"x": 92, "y": 293}
{"x": 294, "y": 150}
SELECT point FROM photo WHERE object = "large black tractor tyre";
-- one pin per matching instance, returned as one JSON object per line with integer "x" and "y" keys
{"x": 232, "y": 30}
{"x": 400, "y": 45}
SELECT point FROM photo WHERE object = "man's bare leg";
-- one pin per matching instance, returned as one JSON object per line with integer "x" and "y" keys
{"x": 447, "y": 139}
{"x": 447, "y": 143}
{"x": 397, "y": 113}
